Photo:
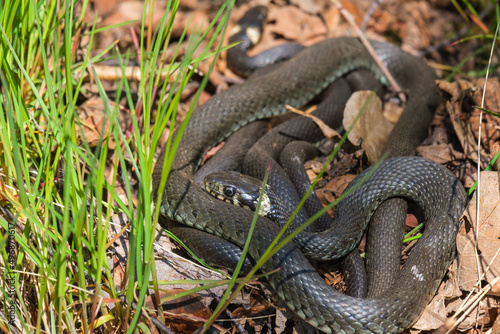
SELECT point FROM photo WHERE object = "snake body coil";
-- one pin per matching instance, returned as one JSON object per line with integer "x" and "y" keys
{"x": 431, "y": 186}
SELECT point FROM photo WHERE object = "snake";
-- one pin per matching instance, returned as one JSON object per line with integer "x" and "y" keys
{"x": 247, "y": 32}
{"x": 431, "y": 186}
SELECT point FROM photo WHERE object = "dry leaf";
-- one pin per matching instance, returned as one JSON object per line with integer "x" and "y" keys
{"x": 442, "y": 153}
{"x": 183, "y": 315}
{"x": 296, "y": 25}
{"x": 488, "y": 238}
{"x": 258, "y": 304}
{"x": 327, "y": 131}
{"x": 314, "y": 7}
{"x": 94, "y": 122}
{"x": 435, "y": 314}
{"x": 372, "y": 129}
{"x": 338, "y": 184}
{"x": 433, "y": 317}
{"x": 465, "y": 118}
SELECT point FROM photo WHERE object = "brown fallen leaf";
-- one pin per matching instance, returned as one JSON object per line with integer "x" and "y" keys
{"x": 392, "y": 111}
{"x": 487, "y": 238}
{"x": 434, "y": 315}
{"x": 416, "y": 31}
{"x": 327, "y": 131}
{"x": 476, "y": 317}
{"x": 496, "y": 326}
{"x": 294, "y": 24}
{"x": 467, "y": 173}
{"x": 442, "y": 153}
{"x": 325, "y": 197}
{"x": 411, "y": 221}
{"x": 94, "y": 123}
{"x": 182, "y": 315}
{"x": 313, "y": 7}
{"x": 212, "y": 152}
{"x": 477, "y": 269}
{"x": 338, "y": 184}
{"x": 495, "y": 289}
{"x": 169, "y": 266}
{"x": 443, "y": 303}
{"x": 101, "y": 8}
{"x": 313, "y": 168}
{"x": 258, "y": 304}
{"x": 124, "y": 11}
{"x": 372, "y": 129}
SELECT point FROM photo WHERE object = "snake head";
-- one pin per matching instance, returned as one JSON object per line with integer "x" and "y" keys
{"x": 249, "y": 28}
{"x": 237, "y": 189}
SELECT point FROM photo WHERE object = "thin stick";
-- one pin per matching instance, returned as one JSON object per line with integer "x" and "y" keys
{"x": 478, "y": 202}
{"x": 371, "y": 50}
{"x": 471, "y": 304}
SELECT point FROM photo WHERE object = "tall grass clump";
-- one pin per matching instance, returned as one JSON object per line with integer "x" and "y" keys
{"x": 56, "y": 202}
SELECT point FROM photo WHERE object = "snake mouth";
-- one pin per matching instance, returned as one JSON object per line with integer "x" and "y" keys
{"x": 232, "y": 201}
{"x": 218, "y": 196}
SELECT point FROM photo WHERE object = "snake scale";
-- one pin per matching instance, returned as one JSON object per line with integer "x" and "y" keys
{"x": 432, "y": 187}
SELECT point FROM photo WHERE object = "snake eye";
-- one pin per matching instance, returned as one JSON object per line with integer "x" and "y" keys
{"x": 229, "y": 191}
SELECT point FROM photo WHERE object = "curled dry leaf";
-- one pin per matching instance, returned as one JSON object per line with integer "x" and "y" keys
{"x": 415, "y": 31}
{"x": 327, "y": 131}
{"x": 333, "y": 189}
{"x": 95, "y": 123}
{"x": 372, "y": 129}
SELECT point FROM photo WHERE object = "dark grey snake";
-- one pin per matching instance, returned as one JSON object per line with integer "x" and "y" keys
{"x": 428, "y": 184}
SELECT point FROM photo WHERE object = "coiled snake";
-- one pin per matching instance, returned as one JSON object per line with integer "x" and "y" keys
{"x": 431, "y": 186}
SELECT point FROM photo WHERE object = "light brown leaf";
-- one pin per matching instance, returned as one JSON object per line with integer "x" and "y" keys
{"x": 442, "y": 153}
{"x": 372, "y": 129}
{"x": 327, "y": 131}
{"x": 338, "y": 184}
{"x": 294, "y": 24}
{"x": 435, "y": 314}
{"x": 488, "y": 237}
